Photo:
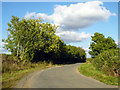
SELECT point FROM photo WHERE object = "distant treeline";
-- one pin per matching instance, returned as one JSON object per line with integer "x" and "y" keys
{"x": 32, "y": 40}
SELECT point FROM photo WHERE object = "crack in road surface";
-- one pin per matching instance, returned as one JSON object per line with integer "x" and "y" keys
{"x": 66, "y": 76}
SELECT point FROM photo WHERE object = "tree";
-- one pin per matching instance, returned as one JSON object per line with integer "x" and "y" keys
{"x": 100, "y": 44}
{"x": 34, "y": 40}
{"x": 27, "y": 36}
{"x": 76, "y": 54}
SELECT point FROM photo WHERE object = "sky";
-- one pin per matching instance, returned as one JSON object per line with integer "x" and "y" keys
{"x": 77, "y": 21}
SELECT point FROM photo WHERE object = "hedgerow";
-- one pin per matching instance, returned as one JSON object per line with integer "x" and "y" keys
{"x": 108, "y": 62}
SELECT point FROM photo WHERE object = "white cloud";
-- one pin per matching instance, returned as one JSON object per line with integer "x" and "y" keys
{"x": 72, "y": 37}
{"x": 38, "y": 15}
{"x": 29, "y": 15}
{"x": 42, "y": 15}
{"x": 80, "y": 15}
{"x": 116, "y": 43}
{"x": 75, "y": 17}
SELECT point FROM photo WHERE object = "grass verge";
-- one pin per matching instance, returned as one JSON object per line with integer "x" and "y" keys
{"x": 89, "y": 70}
{"x": 9, "y": 80}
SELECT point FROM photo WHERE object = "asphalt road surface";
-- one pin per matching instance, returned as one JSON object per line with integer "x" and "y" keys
{"x": 66, "y": 76}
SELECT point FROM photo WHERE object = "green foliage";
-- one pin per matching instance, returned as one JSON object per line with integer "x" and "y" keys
{"x": 77, "y": 54}
{"x": 108, "y": 62}
{"x": 28, "y": 35}
{"x": 100, "y": 44}
{"x": 89, "y": 60}
{"x": 11, "y": 66}
{"x": 32, "y": 40}
{"x": 91, "y": 71}
{"x": 13, "y": 71}
{"x": 104, "y": 52}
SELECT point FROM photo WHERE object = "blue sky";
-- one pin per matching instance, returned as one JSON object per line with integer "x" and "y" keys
{"x": 102, "y": 24}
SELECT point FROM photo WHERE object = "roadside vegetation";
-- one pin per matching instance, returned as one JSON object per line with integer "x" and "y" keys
{"x": 89, "y": 70}
{"x": 104, "y": 64}
{"x": 34, "y": 40}
{"x": 34, "y": 45}
{"x": 13, "y": 71}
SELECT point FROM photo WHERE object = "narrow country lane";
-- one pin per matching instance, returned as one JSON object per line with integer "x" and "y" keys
{"x": 66, "y": 76}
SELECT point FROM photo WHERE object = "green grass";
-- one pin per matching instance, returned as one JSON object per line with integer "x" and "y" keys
{"x": 89, "y": 70}
{"x": 9, "y": 80}
{"x": 13, "y": 71}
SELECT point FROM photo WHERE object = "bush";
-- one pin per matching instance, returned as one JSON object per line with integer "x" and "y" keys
{"x": 9, "y": 65}
{"x": 90, "y": 71}
{"x": 89, "y": 60}
{"x": 99, "y": 44}
{"x": 108, "y": 62}
{"x": 75, "y": 54}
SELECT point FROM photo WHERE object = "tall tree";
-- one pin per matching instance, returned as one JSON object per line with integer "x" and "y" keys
{"x": 100, "y": 43}
{"x": 28, "y": 35}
